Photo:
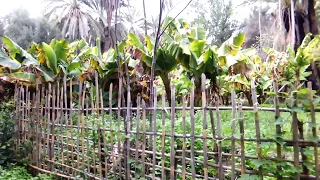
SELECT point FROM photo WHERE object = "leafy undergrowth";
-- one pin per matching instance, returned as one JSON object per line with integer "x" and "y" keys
{"x": 20, "y": 173}
{"x": 267, "y": 125}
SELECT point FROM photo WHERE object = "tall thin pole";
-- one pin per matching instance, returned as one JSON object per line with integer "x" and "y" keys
{"x": 260, "y": 29}
{"x": 293, "y": 4}
{"x": 145, "y": 18}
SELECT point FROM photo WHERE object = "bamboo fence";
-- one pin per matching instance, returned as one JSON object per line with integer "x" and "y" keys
{"x": 76, "y": 132}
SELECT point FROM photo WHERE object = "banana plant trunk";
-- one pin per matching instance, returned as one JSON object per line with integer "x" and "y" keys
{"x": 166, "y": 82}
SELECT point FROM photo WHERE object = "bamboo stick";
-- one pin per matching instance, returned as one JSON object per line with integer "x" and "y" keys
{"x": 154, "y": 130}
{"x": 137, "y": 134}
{"x": 128, "y": 134}
{"x": 16, "y": 118}
{"x": 118, "y": 125}
{"x": 214, "y": 137}
{"x": 27, "y": 112}
{"x": 295, "y": 135}
{"x": 19, "y": 116}
{"x": 103, "y": 133}
{"x": 84, "y": 124}
{"x": 233, "y": 148}
{"x": 184, "y": 138}
{"x": 61, "y": 122}
{"x": 220, "y": 168}
{"x": 88, "y": 132}
{"x": 93, "y": 132}
{"x": 98, "y": 117}
{"x": 78, "y": 122}
{"x": 278, "y": 126}
{"x": 163, "y": 132}
{"x": 144, "y": 138}
{"x": 61, "y": 119}
{"x": 71, "y": 120}
{"x": 32, "y": 126}
{"x": 57, "y": 119}
{"x": 65, "y": 105}
{"x": 48, "y": 126}
{"x": 204, "y": 118}
{"x": 257, "y": 125}
{"x": 42, "y": 123}
{"x": 172, "y": 149}
{"x": 37, "y": 101}
{"x": 241, "y": 125}
{"x": 45, "y": 125}
{"x": 192, "y": 123}
{"x": 53, "y": 119}
{"x": 314, "y": 131}
{"x": 111, "y": 120}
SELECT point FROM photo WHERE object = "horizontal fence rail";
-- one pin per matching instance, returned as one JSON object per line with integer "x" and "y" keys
{"x": 80, "y": 134}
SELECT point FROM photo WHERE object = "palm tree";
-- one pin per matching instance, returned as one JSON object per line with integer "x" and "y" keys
{"x": 87, "y": 19}
{"x": 112, "y": 28}
{"x": 75, "y": 17}
{"x": 134, "y": 20}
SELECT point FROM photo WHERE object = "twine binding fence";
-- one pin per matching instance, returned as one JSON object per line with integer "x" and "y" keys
{"x": 78, "y": 135}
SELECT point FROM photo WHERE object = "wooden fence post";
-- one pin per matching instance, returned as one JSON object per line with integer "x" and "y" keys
{"x": 257, "y": 124}
{"x": 233, "y": 149}
{"x": 278, "y": 126}
{"x": 204, "y": 125}
{"x": 314, "y": 131}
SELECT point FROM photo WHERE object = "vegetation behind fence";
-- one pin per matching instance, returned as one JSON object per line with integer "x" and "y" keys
{"x": 74, "y": 134}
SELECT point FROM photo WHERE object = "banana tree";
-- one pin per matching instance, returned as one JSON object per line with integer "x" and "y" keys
{"x": 180, "y": 46}
{"x": 165, "y": 63}
{"x": 17, "y": 64}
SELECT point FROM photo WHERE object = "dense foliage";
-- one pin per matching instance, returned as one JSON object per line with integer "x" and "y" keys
{"x": 20, "y": 173}
{"x": 183, "y": 49}
{"x": 186, "y": 52}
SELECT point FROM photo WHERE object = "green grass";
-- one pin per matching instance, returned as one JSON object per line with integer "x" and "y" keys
{"x": 20, "y": 173}
{"x": 267, "y": 131}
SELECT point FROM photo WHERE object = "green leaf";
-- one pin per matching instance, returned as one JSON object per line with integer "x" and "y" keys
{"x": 249, "y": 177}
{"x": 47, "y": 74}
{"x": 298, "y": 109}
{"x": 279, "y": 121}
{"x": 313, "y": 139}
{"x": 51, "y": 55}
{"x": 184, "y": 44}
{"x": 303, "y": 91}
{"x": 280, "y": 141}
{"x": 257, "y": 162}
{"x": 198, "y": 33}
{"x": 131, "y": 161}
{"x": 73, "y": 66}
{"x": 134, "y": 40}
{"x": 271, "y": 93}
{"x": 60, "y": 48}
{"x": 197, "y": 47}
{"x": 312, "y": 124}
{"x": 17, "y": 53}
{"x": 19, "y": 76}
{"x": 150, "y": 43}
{"x": 6, "y": 61}
{"x": 232, "y": 45}
{"x": 238, "y": 39}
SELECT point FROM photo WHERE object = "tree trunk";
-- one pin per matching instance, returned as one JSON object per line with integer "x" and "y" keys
{"x": 166, "y": 82}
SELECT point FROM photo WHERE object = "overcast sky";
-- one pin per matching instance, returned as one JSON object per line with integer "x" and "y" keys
{"x": 33, "y": 6}
{"x": 152, "y": 7}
